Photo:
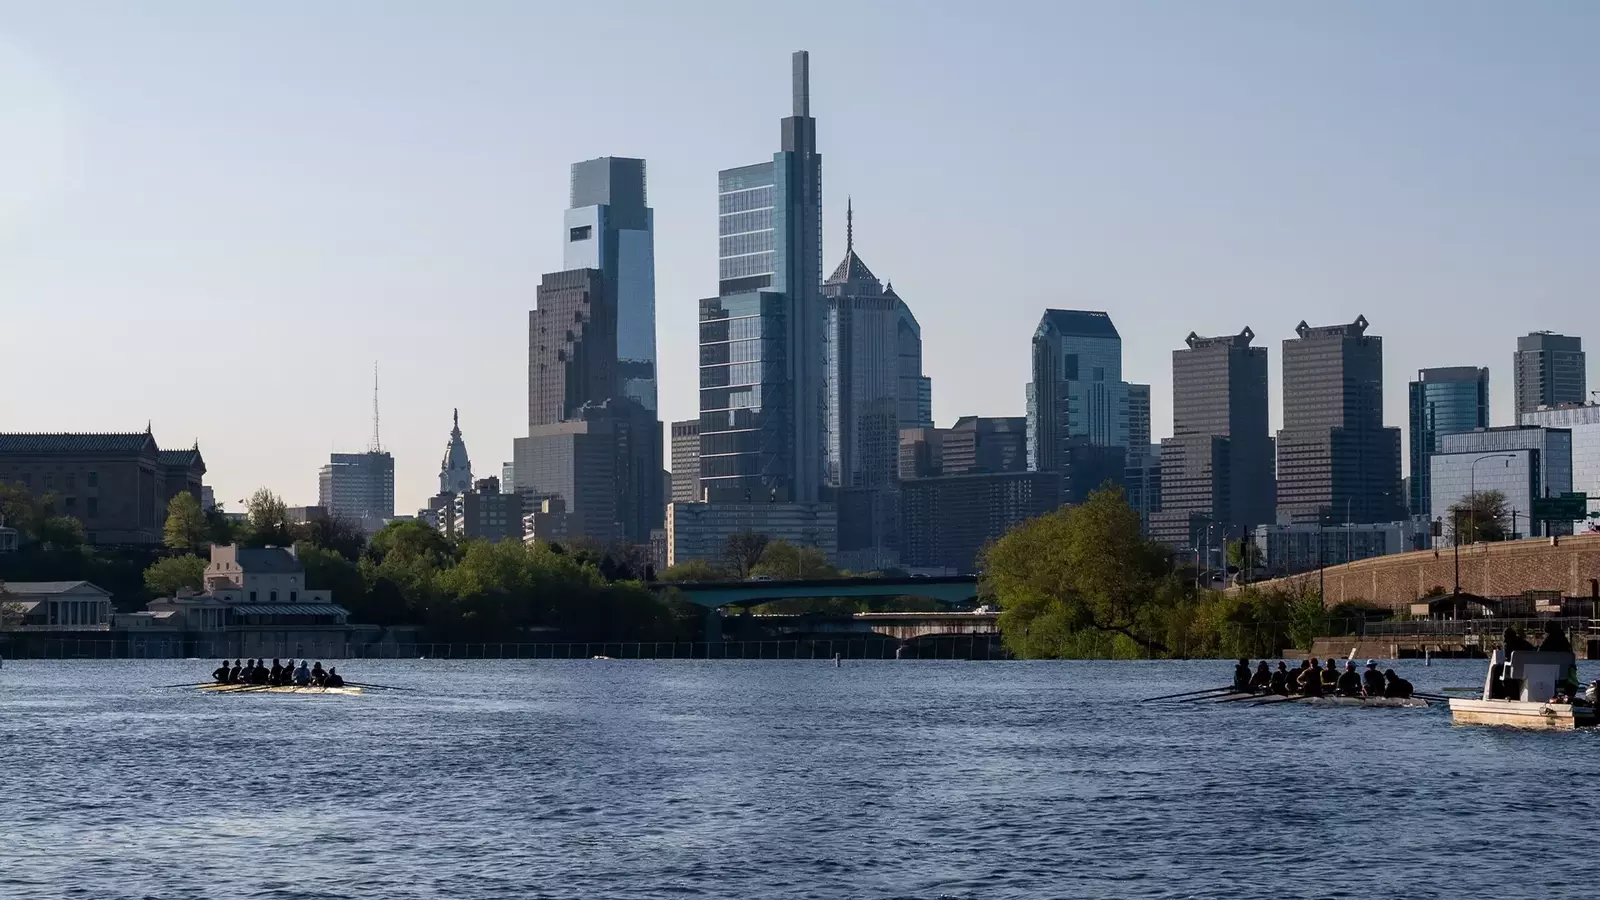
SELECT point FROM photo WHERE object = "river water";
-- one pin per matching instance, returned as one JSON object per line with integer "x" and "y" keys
{"x": 622, "y": 779}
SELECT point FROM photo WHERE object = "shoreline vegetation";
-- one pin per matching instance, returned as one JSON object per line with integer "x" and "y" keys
{"x": 1077, "y": 583}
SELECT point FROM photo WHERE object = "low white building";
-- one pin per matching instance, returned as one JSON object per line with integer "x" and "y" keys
{"x": 57, "y": 605}
{"x": 701, "y": 530}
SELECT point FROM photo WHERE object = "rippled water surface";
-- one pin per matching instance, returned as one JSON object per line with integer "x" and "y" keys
{"x": 602, "y": 779}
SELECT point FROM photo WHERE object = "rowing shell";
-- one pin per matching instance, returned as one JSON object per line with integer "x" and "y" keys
{"x": 275, "y": 689}
{"x": 1375, "y": 702}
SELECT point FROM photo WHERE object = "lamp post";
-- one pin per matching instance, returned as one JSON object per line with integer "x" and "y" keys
{"x": 1472, "y": 489}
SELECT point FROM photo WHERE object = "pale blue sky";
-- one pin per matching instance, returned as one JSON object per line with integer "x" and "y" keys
{"x": 216, "y": 215}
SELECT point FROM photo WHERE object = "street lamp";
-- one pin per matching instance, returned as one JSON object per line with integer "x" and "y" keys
{"x": 1472, "y": 500}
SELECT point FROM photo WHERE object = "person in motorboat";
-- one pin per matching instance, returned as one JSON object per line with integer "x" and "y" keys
{"x": 1311, "y": 679}
{"x": 1395, "y": 686}
{"x": 1555, "y": 640}
{"x": 1372, "y": 679}
{"x": 334, "y": 679}
{"x": 302, "y": 675}
{"x": 1350, "y": 681}
{"x": 1241, "y": 676}
{"x": 221, "y": 673}
{"x": 1262, "y": 680}
{"x": 317, "y": 675}
{"x": 1514, "y": 642}
{"x": 1280, "y": 680}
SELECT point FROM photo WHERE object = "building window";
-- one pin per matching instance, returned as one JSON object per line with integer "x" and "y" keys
{"x": 581, "y": 233}
{"x": 49, "y": 481}
{"x": 252, "y": 596}
{"x": 72, "y": 504}
{"x": 72, "y": 480}
{"x": 94, "y": 479}
{"x": 292, "y": 597}
{"x": 272, "y": 597}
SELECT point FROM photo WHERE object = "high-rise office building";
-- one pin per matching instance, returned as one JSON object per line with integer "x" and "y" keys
{"x": 922, "y": 452}
{"x": 1142, "y": 481}
{"x": 916, "y": 389}
{"x": 594, "y": 441}
{"x": 1583, "y": 422}
{"x": 1550, "y": 370}
{"x": 610, "y": 228}
{"x": 1216, "y": 469}
{"x": 985, "y": 444}
{"x": 945, "y": 522}
{"x": 686, "y": 461}
{"x": 1522, "y": 462}
{"x": 1138, "y": 417}
{"x": 762, "y": 353}
{"x": 862, "y": 401}
{"x": 1444, "y": 401}
{"x": 358, "y": 488}
{"x": 1077, "y": 395}
{"x": 572, "y": 340}
{"x": 1336, "y": 460}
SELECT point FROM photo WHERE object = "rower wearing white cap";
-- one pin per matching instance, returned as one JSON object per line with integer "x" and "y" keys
{"x": 1373, "y": 679}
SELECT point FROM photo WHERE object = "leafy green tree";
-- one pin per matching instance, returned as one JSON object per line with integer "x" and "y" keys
{"x": 327, "y": 570}
{"x": 1244, "y": 555}
{"x": 168, "y": 576}
{"x": 781, "y": 559}
{"x": 1484, "y": 516}
{"x": 268, "y": 518}
{"x": 744, "y": 551}
{"x": 221, "y": 530}
{"x": 334, "y": 533}
{"x": 411, "y": 540}
{"x": 60, "y": 532}
{"x": 693, "y": 570}
{"x": 186, "y": 527}
{"x": 1080, "y": 569}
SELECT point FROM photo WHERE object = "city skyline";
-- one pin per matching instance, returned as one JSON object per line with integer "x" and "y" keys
{"x": 327, "y": 286}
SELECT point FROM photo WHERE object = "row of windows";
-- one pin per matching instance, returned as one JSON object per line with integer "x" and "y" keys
{"x": 730, "y": 375}
{"x": 727, "y": 466}
{"x": 69, "y": 481}
{"x": 739, "y": 223}
{"x": 740, "y": 329}
{"x": 731, "y": 352}
{"x": 744, "y": 419}
{"x": 742, "y": 201}
{"x": 723, "y": 442}
{"x": 731, "y": 398}
{"x": 745, "y": 266}
{"x": 749, "y": 242}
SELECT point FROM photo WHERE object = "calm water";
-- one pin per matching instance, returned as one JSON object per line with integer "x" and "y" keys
{"x": 770, "y": 779}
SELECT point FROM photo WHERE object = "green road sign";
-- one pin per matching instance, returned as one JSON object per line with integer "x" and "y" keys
{"x": 1565, "y": 508}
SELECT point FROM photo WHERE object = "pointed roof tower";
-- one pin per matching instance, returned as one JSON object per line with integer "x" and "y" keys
{"x": 852, "y": 272}
{"x": 455, "y": 471}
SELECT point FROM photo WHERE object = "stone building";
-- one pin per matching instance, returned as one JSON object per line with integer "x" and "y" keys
{"x": 117, "y": 485}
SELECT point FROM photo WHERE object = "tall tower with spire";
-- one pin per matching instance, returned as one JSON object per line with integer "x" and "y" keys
{"x": 455, "y": 470}
{"x": 762, "y": 351}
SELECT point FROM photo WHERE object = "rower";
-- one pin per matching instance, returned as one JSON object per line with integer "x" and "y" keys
{"x": 258, "y": 675}
{"x": 317, "y": 675}
{"x": 1293, "y": 683}
{"x": 275, "y": 674}
{"x": 1330, "y": 677}
{"x": 1372, "y": 679}
{"x": 233, "y": 676}
{"x": 1311, "y": 680}
{"x": 333, "y": 680}
{"x": 1241, "y": 677}
{"x": 1280, "y": 680}
{"x": 1395, "y": 686}
{"x": 1262, "y": 680}
{"x": 302, "y": 675}
{"x": 221, "y": 673}
{"x": 1350, "y": 682}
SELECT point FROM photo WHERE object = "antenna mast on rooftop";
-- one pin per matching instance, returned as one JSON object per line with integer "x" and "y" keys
{"x": 377, "y": 446}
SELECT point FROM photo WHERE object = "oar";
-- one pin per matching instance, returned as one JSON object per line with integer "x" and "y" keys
{"x": 1189, "y": 694}
{"x": 1277, "y": 700}
{"x": 1227, "y": 693}
{"x": 387, "y": 687}
{"x": 196, "y": 684}
{"x": 1243, "y": 696}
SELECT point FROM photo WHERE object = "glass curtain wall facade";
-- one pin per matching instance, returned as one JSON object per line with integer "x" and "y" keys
{"x": 1584, "y": 423}
{"x": 1521, "y": 462}
{"x": 1444, "y": 401}
{"x": 609, "y": 228}
{"x": 916, "y": 389}
{"x": 769, "y": 268}
{"x": 1077, "y": 394}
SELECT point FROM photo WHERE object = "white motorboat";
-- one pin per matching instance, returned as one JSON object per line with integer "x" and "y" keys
{"x": 1518, "y": 693}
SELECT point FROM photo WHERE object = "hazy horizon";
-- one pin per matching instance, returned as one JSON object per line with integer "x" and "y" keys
{"x": 215, "y": 218}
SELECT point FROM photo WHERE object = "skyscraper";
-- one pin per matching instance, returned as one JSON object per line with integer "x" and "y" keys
{"x": 609, "y": 228}
{"x": 1216, "y": 469}
{"x": 358, "y": 488}
{"x": 1549, "y": 370}
{"x": 686, "y": 461}
{"x": 862, "y": 408}
{"x": 1336, "y": 460}
{"x": 985, "y": 444}
{"x": 762, "y": 354}
{"x": 1444, "y": 401}
{"x": 916, "y": 389}
{"x": 593, "y": 437}
{"x": 1138, "y": 416}
{"x": 1077, "y": 395}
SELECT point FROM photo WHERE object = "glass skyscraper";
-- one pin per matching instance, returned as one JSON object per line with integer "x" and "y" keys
{"x": 609, "y": 228}
{"x": 1077, "y": 394}
{"x": 1447, "y": 400}
{"x": 916, "y": 389}
{"x": 1549, "y": 369}
{"x": 762, "y": 354}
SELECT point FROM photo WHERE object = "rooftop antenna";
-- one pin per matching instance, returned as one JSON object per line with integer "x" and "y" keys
{"x": 849, "y": 225}
{"x": 376, "y": 445}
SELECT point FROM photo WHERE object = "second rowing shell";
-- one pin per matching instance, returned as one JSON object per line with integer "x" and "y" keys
{"x": 275, "y": 689}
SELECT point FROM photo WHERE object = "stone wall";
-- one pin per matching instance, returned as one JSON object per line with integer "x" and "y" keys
{"x": 1568, "y": 564}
